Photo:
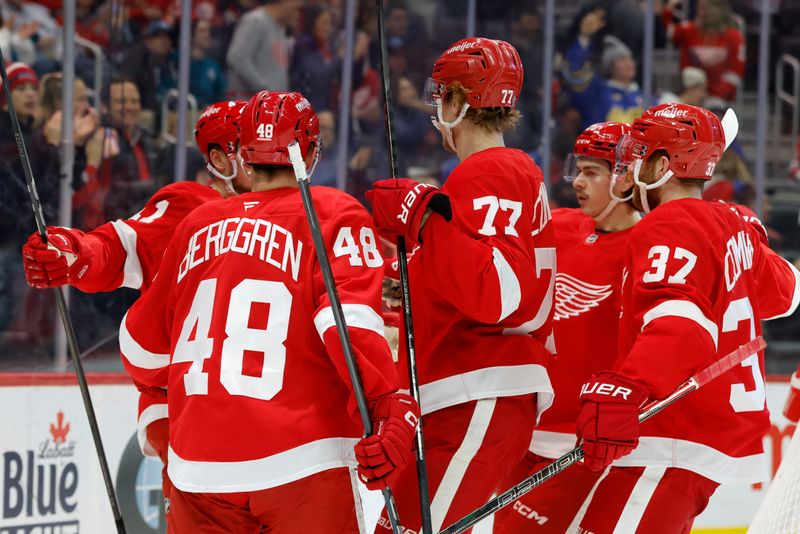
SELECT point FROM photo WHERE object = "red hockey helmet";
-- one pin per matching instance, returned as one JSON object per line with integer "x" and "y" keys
{"x": 271, "y": 121}
{"x": 597, "y": 141}
{"x": 489, "y": 69}
{"x": 218, "y": 125}
{"x": 693, "y": 138}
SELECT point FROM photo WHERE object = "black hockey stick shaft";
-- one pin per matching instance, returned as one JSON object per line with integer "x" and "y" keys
{"x": 402, "y": 264}
{"x": 695, "y": 382}
{"x": 61, "y": 303}
{"x": 298, "y": 164}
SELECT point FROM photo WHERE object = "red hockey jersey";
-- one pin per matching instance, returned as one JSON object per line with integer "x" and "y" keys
{"x": 238, "y": 327}
{"x": 699, "y": 280}
{"x": 482, "y": 285}
{"x": 128, "y": 253}
{"x": 585, "y": 320}
{"x": 720, "y": 55}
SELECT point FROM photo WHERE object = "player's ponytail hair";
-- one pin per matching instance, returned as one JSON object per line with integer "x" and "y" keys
{"x": 495, "y": 119}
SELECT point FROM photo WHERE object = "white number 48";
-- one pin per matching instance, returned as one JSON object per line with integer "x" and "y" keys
{"x": 345, "y": 245}
{"x": 264, "y": 131}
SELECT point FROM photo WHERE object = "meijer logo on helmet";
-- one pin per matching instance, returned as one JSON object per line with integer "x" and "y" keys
{"x": 460, "y": 48}
{"x": 672, "y": 113}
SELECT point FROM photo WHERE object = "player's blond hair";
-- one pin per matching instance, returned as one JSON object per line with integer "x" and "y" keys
{"x": 496, "y": 119}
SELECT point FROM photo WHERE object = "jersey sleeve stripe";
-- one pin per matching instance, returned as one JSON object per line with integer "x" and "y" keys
{"x": 795, "y": 295}
{"x": 510, "y": 293}
{"x": 152, "y": 413}
{"x": 136, "y": 354}
{"x": 132, "y": 274}
{"x": 686, "y": 310}
{"x": 355, "y": 315}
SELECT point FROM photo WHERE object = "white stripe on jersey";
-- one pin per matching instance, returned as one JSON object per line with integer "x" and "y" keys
{"x": 638, "y": 500}
{"x": 685, "y": 309}
{"x": 132, "y": 271}
{"x": 136, "y": 354}
{"x": 510, "y": 292}
{"x": 355, "y": 315}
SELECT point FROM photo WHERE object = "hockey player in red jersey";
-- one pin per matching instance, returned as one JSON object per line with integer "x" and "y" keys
{"x": 699, "y": 278}
{"x": 481, "y": 286}
{"x": 590, "y": 251}
{"x": 238, "y": 328}
{"x": 128, "y": 253}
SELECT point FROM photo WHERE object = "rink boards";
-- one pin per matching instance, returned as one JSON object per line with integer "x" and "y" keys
{"x": 51, "y": 482}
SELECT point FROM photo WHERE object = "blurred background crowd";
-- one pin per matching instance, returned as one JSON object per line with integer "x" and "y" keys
{"x": 125, "y": 100}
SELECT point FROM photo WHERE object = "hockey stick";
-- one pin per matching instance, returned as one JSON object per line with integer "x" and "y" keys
{"x": 299, "y": 166}
{"x": 61, "y": 303}
{"x": 697, "y": 381}
{"x": 402, "y": 264}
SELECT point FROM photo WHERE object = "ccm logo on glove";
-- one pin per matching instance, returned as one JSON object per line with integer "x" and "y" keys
{"x": 599, "y": 388}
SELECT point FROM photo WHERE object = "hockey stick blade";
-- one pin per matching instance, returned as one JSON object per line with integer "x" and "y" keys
{"x": 575, "y": 455}
{"x": 730, "y": 126}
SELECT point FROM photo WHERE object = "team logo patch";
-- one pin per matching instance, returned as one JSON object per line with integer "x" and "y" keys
{"x": 574, "y": 297}
{"x": 592, "y": 238}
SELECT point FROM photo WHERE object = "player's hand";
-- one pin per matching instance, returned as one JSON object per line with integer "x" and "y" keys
{"x": 608, "y": 421}
{"x": 383, "y": 455}
{"x": 58, "y": 262}
{"x": 791, "y": 410}
{"x": 399, "y": 206}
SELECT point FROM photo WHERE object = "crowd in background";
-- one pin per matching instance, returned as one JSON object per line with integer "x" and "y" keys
{"x": 124, "y": 127}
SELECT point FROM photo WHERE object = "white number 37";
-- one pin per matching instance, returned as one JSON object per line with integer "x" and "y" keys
{"x": 660, "y": 254}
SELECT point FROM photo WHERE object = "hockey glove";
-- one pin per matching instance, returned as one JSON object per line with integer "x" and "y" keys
{"x": 398, "y": 206}
{"x": 383, "y": 455}
{"x": 791, "y": 410}
{"x": 60, "y": 261}
{"x": 608, "y": 421}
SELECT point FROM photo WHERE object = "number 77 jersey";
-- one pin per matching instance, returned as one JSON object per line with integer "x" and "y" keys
{"x": 238, "y": 327}
{"x": 699, "y": 280}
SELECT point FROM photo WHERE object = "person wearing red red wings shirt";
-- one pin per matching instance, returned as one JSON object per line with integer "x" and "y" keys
{"x": 699, "y": 278}
{"x": 481, "y": 286}
{"x": 590, "y": 250}
{"x": 128, "y": 253}
{"x": 711, "y": 42}
{"x": 239, "y": 329}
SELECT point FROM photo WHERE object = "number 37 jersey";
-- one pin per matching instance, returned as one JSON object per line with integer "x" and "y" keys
{"x": 239, "y": 328}
{"x": 699, "y": 279}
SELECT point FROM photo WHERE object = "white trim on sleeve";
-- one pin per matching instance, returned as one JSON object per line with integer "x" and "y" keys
{"x": 510, "y": 292}
{"x": 795, "y": 295}
{"x": 261, "y": 473}
{"x": 132, "y": 271}
{"x": 152, "y": 413}
{"x": 549, "y": 444}
{"x": 355, "y": 315}
{"x": 732, "y": 78}
{"x": 136, "y": 354}
{"x": 685, "y": 309}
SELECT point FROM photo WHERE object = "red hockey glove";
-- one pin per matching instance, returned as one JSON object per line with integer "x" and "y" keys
{"x": 61, "y": 261}
{"x": 608, "y": 421}
{"x": 383, "y": 455}
{"x": 398, "y": 206}
{"x": 791, "y": 410}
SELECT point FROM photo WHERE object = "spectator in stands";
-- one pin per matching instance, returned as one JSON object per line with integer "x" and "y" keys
{"x": 129, "y": 178}
{"x": 36, "y": 20}
{"x": 406, "y": 31}
{"x": 614, "y": 96}
{"x": 258, "y": 57}
{"x": 412, "y": 123}
{"x": 711, "y": 42}
{"x": 153, "y": 65}
{"x": 17, "y": 44}
{"x": 326, "y": 171}
{"x": 694, "y": 88}
{"x": 794, "y": 165}
{"x": 526, "y": 36}
{"x": 207, "y": 80}
{"x": 316, "y": 66}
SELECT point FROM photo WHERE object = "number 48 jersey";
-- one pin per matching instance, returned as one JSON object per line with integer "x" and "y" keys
{"x": 238, "y": 327}
{"x": 700, "y": 278}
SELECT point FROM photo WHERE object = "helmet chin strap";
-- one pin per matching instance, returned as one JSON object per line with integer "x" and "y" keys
{"x": 614, "y": 199}
{"x": 228, "y": 180}
{"x": 643, "y": 187}
{"x": 446, "y": 128}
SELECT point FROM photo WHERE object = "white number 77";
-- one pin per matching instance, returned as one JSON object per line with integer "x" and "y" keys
{"x": 493, "y": 204}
